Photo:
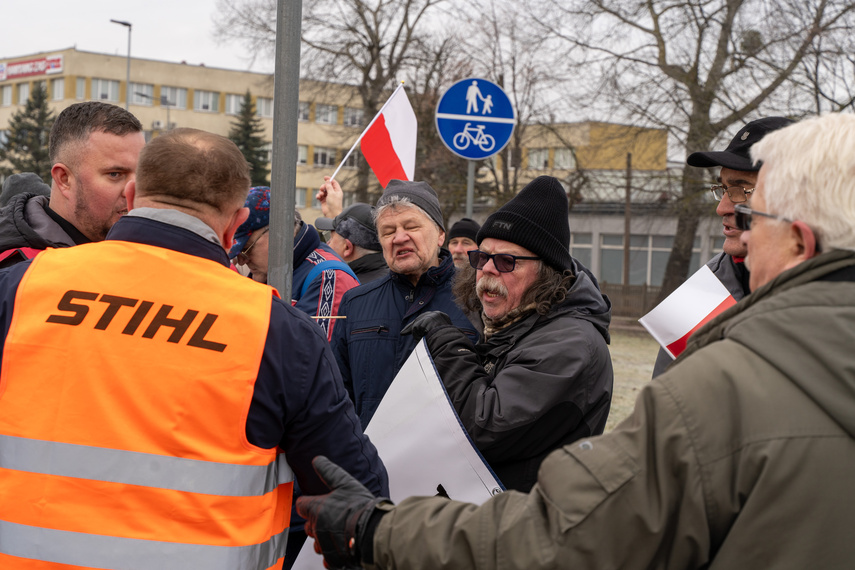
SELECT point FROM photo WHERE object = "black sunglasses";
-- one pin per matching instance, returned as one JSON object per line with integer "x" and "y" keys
{"x": 504, "y": 262}
{"x": 742, "y": 217}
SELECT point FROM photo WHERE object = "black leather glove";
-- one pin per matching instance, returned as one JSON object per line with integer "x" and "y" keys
{"x": 426, "y": 322}
{"x": 338, "y": 520}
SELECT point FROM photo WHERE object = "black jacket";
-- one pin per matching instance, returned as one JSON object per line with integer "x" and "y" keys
{"x": 534, "y": 386}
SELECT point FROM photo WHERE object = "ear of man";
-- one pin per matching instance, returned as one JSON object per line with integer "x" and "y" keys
{"x": 805, "y": 244}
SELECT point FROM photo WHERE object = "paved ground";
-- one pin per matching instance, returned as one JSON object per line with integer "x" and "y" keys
{"x": 633, "y": 354}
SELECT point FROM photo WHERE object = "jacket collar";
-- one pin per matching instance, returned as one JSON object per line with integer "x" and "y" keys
{"x": 168, "y": 236}
{"x": 434, "y": 276}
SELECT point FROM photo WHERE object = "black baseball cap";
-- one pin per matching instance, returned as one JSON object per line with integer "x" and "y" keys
{"x": 737, "y": 155}
{"x": 362, "y": 213}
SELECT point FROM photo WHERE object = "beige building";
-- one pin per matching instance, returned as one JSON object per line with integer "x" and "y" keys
{"x": 167, "y": 95}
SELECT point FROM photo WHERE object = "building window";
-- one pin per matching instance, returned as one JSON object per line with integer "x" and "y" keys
{"x": 4, "y": 136}
{"x": 6, "y": 95}
{"x": 303, "y": 111}
{"x": 353, "y": 117}
{"x": 326, "y": 114}
{"x": 538, "y": 158}
{"x": 302, "y": 154}
{"x": 581, "y": 247}
{"x": 233, "y": 104}
{"x": 142, "y": 94}
{"x": 264, "y": 107}
{"x": 206, "y": 101}
{"x": 105, "y": 89}
{"x": 352, "y": 160}
{"x": 176, "y": 97}
{"x": 324, "y": 156}
{"x": 564, "y": 159}
{"x": 300, "y": 197}
{"x": 80, "y": 91}
{"x": 57, "y": 88}
{"x": 648, "y": 256}
{"x": 23, "y": 93}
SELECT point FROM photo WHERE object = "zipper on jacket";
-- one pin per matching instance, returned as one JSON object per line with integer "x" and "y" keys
{"x": 378, "y": 329}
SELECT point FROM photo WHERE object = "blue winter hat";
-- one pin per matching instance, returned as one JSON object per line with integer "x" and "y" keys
{"x": 258, "y": 202}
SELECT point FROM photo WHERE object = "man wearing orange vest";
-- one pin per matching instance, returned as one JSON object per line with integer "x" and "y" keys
{"x": 155, "y": 406}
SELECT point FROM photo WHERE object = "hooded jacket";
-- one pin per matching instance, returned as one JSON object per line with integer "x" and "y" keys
{"x": 25, "y": 223}
{"x": 739, "y": 456}
{"x": 534, "y": 386}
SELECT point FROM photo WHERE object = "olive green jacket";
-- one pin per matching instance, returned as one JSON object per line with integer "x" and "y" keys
{"x": 740, "y": 456}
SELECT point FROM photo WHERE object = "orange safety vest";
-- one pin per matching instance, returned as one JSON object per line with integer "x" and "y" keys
{"x": 125, "y": 385}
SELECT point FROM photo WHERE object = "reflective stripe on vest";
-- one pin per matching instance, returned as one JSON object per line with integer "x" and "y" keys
{"x": 126, "y": 380}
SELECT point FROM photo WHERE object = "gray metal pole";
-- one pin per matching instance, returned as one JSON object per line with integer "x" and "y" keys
{"x": 128, "y": 74}
{"x": 283, "y": 170}
{"x": 470, "y": 188}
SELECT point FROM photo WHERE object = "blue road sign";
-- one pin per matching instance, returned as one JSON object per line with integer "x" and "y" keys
{"x": 475, "y": 118}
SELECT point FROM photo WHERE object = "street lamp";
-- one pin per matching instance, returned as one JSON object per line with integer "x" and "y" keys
{"x": 128, "y": 80}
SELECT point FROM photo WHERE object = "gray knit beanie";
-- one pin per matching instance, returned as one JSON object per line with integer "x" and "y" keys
{"x": 419, "y": 193}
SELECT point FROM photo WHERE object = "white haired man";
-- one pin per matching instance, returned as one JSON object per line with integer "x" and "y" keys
{"x": 725, "y": 454}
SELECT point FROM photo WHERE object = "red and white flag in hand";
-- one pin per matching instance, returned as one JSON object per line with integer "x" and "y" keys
{"x": 389, "y": 141}
{"x": 687, "y": 309}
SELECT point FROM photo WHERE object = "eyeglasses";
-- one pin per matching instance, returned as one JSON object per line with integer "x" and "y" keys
{"x": 735, "y": 193}
{"x": 243, "y": 256}
{"x": 504, "y": 262}
{"x": 742, "y": 217}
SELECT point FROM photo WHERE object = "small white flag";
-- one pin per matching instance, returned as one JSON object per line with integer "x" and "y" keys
{"x": 422, "y": 443}
{"x": 687, "y": 309}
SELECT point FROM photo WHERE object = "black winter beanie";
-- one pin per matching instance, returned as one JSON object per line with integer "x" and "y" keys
{"x": 536, "y": 219}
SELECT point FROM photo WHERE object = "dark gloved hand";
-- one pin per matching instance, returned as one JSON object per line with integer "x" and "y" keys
{"x": 426, "y": 322}
{"x": 338, "y": 520}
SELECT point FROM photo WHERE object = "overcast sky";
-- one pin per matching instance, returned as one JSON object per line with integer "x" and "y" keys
{"x": 166, "y": 30}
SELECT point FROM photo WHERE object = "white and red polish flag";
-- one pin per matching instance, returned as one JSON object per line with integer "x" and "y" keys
{"x": 388, "y": 143}
{"x": 687, "y": 309}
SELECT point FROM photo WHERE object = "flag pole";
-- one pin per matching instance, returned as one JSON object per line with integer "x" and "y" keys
{"x": 340, "y": 164}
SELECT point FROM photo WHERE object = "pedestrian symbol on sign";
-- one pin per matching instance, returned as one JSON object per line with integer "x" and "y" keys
{"x": 475, "y": 119}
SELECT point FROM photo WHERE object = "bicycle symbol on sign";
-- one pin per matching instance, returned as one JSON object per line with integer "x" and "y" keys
{"x": 474, "y": 135}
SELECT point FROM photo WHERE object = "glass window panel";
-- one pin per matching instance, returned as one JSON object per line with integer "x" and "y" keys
{"x": 142, "y": 94}
{"x": 206, "y": 101}
{"x": 302, "y": 154}
{"x": 80, "y": 90}
{"x": 582, "y": 238}
{"x": 718, "y": 243}
{"x": 326, "y": 114}
{"x": 612, "y": 239}
{"x": 176, "y": 97}
{"x": 637, "y": 267}
{"x": 611, "y": 265}
{"x": 657, "y": 267}
{"x": 636, "y": 240}
{"x": 324, "y": 156}
{"x": 538, "y": 158}
{"x": 665, "y": 242}
{"x": 264, "y": 106}
{"x": 303, "y": 111}
{"x": 697, "y": 243}
{"x": 233, "y": 103}
{"x": 6, "y": 95}
{"x": 23, "y": 93}
{"x": 300, "y": 197}
{"x": 564, "y": 159}
{"x": 57, "y": 88}
{"x": 353, "y": 117}
{"x": 105, "y": 89}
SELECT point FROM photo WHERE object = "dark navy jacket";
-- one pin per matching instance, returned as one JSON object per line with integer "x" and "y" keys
{"x": 299, "y": 402}
{"x": 368, "y": 345}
